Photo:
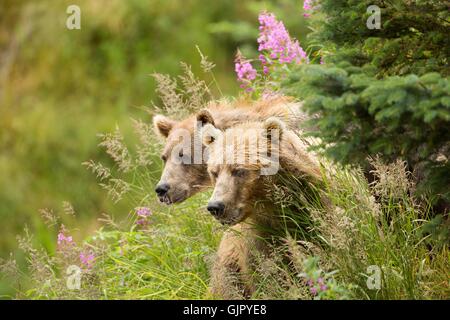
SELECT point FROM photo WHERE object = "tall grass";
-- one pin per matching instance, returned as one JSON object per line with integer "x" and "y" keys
{"x": 382, "y": 225}
{"x": 328, "y": 249}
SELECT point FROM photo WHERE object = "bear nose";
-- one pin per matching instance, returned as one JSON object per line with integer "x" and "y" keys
{"x": 161, "y": 189}
{"x": 216, "y": 208}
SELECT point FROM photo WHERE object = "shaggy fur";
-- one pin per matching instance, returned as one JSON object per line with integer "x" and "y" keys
{"x": 243, "y": 191}
{"x": 186, "y": 180}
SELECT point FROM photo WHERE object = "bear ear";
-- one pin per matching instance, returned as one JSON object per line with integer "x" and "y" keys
{"x": 274, "y": 124}
{"x": 205, "y": 117}
{"x": 163, "y": 125}
{"x": 210, "y": 134}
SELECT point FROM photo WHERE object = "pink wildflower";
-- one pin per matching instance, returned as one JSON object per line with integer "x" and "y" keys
{"x": 142, "y": 222}
{"x": 62, "y": 239}
{"x": 307, "y": 7}
{"x": 313, "y": 291}
{"x": 245, "y": 71}
{"x": 263, "y": 59}
{"x": 275, "y": 40}
{"x": 143, "y": 212}
{"x": 87, "y": 259}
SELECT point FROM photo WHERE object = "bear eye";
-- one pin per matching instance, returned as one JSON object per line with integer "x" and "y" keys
{"x": 164, "y": 158}
{"x": 214, "y": 173}
{"x": 239, "y": 172}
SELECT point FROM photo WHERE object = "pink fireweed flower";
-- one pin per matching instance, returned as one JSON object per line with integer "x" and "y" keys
{"x": 262, "y": 58}
{"x": 143, "y": 212}
{"x": 87, "y": 259}
{"x": 62, "y": 239}
{"x": 275, "y": 41}
{"x": 142, "y": 222}
{"x": 313, "y": 291}
{"x": 244, "y": 71}
{"x": 308, "y": 7}
{"x": 323, "y": 287}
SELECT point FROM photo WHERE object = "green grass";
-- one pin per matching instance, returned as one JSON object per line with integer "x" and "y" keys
{"x": 170, "y": 258}
{"x": 167, "y": 261}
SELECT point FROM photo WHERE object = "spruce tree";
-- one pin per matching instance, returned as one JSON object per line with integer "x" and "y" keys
{"x": 381, "y": 91}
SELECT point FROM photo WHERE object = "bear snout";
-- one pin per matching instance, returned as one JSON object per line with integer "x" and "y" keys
{"x": 161, "y": 189}
{"x": 216, "y": 208}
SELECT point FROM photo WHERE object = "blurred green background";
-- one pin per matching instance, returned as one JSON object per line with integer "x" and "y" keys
{"x": 60, "y": 87}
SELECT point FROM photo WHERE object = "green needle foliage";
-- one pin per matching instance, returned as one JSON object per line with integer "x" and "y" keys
{"x": 383, "y": 91}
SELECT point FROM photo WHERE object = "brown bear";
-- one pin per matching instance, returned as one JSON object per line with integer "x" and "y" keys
{"x": 244, "y": 161}
{"x": 185, "y": 172}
